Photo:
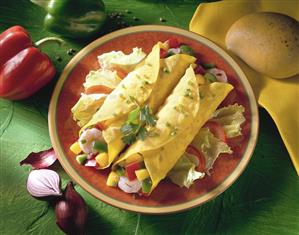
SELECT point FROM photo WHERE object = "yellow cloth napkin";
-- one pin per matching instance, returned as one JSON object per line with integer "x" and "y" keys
{"x": 279, "y": 97}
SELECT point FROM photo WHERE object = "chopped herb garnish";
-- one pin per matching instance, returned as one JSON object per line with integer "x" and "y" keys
{"x": 190, "y": 83}
{"x": 173, "y": 130}
{"x": 165, "y": 70}
{"x": 145, "y": 82}
{"x": 188, "y": 93}
{"x": 201, "y": 96}
{"x": 149, "y": 64}
{"x": 83, "y": 141}
{"x": 168, "y": 124}
{"x": 123, "y": 86}
{"x": 134, "y": 128}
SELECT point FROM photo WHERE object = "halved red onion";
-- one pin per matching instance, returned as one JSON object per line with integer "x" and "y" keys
{"x": 219, "y": 74}
{"x": 39, "y": 160}
{"x": 43, "y": 183}
{"x": 129, "y": 186}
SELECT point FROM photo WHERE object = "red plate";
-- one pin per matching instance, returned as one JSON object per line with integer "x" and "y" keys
{"x": 167, "y": 197}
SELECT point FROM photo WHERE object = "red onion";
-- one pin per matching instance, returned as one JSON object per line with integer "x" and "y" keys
{"x": 71, "y": 212}
{"x": 43, "y": 183}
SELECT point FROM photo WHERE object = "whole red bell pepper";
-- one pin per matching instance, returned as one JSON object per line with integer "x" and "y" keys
{"x": 24, "y": 69}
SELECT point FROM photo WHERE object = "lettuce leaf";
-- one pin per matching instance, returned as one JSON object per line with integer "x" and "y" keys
{"x": 86, "y": 107}
{"x": 230, "y": 117}
{"x": 210, "y": 146}
{"x": 118, "y": 59}
{"x": 102, "y": 77}
{"x": 184, "y": 173}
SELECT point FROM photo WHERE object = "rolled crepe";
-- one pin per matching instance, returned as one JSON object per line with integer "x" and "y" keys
{"x": 151, "y": 83}
{"x": 179, "y": 120}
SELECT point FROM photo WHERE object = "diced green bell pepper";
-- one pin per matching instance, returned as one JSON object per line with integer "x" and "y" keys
{"x": 186, "y": 50}
{"x": 99, "y": 146}
{"x": 210, "y": 77}
{"x": 73, "y": 18}
{"x": 81, "y": 159}
{"x": 146, "y": 185}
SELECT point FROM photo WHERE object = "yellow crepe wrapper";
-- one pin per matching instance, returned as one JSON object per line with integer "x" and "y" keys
{"x": 278, "y": 97}
{"x": 151, "y": 83}
{"x": 178, "y": 122}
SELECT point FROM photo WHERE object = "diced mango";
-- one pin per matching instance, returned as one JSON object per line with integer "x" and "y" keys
{"x": 75, "y": 148}
{"x": 102, "y": 159}
{"x": 113, "y": 179}
{"x": 142, "y": 174}
{"x": 200, "y": 79}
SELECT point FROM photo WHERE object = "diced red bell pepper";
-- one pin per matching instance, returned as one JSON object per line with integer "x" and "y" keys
{"x": 131, "y": 168}
{"x": 202, "y": 161}
{"x": 163, "y": 53}
{"x": 173, "y": 43}
{"x": 217, "y": 130}
{"x": 23, "y": 68}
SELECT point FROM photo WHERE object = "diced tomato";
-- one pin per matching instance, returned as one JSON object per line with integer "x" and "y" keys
{"x": 131, "y": 168}
{"x": 163, "y": 53}
{"x": 173, "y": 43}
{"x": 202, "y": 161}
{"x": 98, "y": 89}
{"x": 199, "y": 70}
{"x": 120, "y": 72}
{"x": 217, "y": 130}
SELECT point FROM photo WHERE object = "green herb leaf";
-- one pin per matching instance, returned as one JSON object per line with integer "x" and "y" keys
{"x": 134, "y": 116}
{"x": 128, "y": 139}
{"x": 133, "y": 128}
{"x": 142, "y": 134}
{"x": 147, "y": 116}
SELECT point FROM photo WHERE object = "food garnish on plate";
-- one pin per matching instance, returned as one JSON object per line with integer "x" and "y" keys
{"x": 156, "y": 116}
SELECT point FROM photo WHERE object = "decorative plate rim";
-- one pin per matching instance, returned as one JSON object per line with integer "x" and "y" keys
{"x": 153, "y": 209}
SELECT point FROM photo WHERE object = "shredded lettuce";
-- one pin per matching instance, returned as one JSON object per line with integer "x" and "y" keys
{"x": 121, "y": 60}
{"x": 210, "y": 146}
{"x": 86, "y": 107}
{"x": 184, "y": 173}
{"x": 230, "y": 117}
{"x": 102, "y": 77}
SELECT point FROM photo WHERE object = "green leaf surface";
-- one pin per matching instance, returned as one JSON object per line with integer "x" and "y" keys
{"x": 264, "y": 200}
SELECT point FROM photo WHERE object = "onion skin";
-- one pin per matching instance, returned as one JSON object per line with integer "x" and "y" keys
{"x": 40, "y": 160}
{"x": 71, "y": 212}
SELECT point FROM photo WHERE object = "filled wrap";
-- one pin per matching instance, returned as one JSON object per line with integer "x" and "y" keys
{"x": 150, "y": 83}
{"x": 179, "y": 120}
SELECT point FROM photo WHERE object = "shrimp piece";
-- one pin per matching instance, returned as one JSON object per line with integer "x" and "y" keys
{"x": 88, "y": 138}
